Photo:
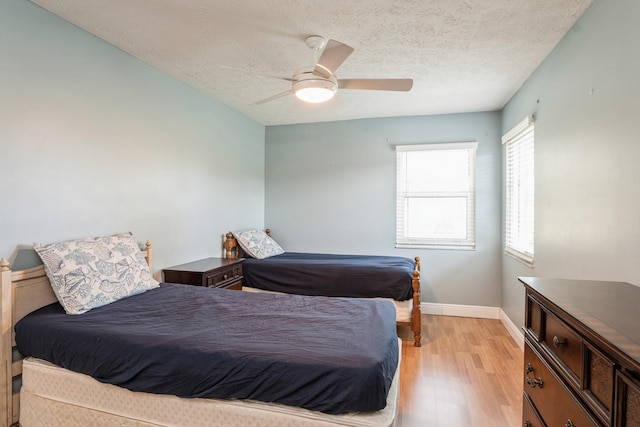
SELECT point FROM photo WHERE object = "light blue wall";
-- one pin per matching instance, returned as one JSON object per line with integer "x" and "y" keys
{"x": 330, "y": 187}
{"x": 586, "y": 98}
{"x": 93, "y": 141}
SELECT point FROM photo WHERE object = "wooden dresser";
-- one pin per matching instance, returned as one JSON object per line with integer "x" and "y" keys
{"x": 582, "y": 353}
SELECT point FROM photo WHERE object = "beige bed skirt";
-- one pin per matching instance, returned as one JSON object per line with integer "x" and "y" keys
{"x": 404, "y": 309}
{"x": 52, "y": 396}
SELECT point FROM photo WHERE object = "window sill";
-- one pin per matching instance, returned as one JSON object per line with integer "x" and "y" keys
{"x": 523, "y": 259}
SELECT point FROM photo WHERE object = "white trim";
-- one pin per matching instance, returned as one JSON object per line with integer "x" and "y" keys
{"x": 513, "y": 330}
{"x": 460, "y": 310}
{"x": 404, "y": 196}
{"x": 440, "y": 146}
{"x": 461, "y": 247}
{"x": 521, "y": 126}
{"x": 525, "y": 259}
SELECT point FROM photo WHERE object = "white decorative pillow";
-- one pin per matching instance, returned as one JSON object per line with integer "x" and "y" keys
{"x": 257, "y": 244}
{"x": 95, "y": 271}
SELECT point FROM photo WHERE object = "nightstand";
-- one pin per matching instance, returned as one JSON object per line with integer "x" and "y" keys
{"x": 209, "y": 272}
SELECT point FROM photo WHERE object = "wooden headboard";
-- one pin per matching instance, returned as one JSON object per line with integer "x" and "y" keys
{"x": 21, "y": 292}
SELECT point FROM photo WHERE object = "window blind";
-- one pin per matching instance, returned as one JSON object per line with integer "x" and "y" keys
{"x": 519, "y": 197}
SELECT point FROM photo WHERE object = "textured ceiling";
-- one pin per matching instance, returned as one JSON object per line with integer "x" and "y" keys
{"x": 464, "y": 55}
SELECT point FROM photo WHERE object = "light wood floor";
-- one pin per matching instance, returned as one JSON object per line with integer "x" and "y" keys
{"x": 468, "y": 372}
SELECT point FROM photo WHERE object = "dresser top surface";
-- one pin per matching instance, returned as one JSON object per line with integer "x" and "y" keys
{"x": 204, "y": 265}
{"x": 610, "y": 309}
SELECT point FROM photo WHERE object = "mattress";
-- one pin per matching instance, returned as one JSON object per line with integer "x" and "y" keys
{"x": 334, "y": 355}
{"x": 71, "y": 399}
{"x": 356, "y": 276}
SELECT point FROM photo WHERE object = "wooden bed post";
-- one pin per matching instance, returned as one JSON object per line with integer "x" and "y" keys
{"x": 6, "y": 406}
{"x": 416, "y": 313}
{"x": 230, "y": 246}
{"x": 148, "y": 253}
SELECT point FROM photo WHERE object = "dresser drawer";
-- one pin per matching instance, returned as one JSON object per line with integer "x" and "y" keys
{"x": 535, "y": 317}
{"x": 554, "y": 402}
{"x": 628, "y": 397}
{"x": 599, "y": 382}
{"x": 530, "y": 416}
{"x": 565, "y": 345}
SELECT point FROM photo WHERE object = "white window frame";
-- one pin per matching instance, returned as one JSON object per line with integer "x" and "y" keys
{"x": 402, "y": 197}
{"x": 520, "y": 191}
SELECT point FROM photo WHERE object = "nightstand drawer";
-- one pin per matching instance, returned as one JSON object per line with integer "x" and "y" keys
{"x": 218, "y": 279}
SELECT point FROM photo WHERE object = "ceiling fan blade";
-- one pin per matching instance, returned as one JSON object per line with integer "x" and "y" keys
{"x": 333, "y": 55}
{"x": 271, "y": 98}
{"x": 402, "y": 85}
{"x": 255, "y": 73}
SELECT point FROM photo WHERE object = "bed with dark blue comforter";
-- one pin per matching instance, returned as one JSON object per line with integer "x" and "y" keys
{"x": 334, "y": 355}
{"x": 361, "y": 276}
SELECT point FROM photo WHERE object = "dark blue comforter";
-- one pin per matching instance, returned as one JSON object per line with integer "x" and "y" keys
{"x": 334, "y": 355}
{"x": 362, "y": 276}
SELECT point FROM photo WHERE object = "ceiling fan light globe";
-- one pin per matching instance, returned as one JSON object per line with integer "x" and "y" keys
{"x": 312, "y": 88}
{"x": 314, "y": 95}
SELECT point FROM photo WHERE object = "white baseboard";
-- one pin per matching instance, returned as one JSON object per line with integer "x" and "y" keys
{"x": 475, "y": 311}
{"x": 460, "y": 310}
{"x": 513, "y": 330}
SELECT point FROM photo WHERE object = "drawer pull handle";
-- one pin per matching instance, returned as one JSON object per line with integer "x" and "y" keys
{"x": 528, "y": 369}
{"x": 225, "y": 277}
{"x": 533, "y": 383}
{"x": 526, "y": 424}
{"x": 557, "y": 342}
{"x": 569, "y": 424}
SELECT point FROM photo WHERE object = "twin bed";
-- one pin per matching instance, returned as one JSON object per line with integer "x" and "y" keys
{"x": 185, "y": 355}
{"x": 268, "y": 268}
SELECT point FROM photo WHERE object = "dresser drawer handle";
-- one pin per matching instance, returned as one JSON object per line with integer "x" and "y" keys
{"x": 528, "y": 369}
{"x": 569, "y": 424}
{"x": 225, "y": 277}
{"x": 557, "y": 342}
{"x": 533, "y": 383}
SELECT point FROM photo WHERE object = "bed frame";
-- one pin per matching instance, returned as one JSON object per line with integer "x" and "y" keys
{"x": 231, "y": 249}
{"x": 22, "y": 292}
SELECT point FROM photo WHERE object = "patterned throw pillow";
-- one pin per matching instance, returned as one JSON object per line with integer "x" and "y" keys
{"x": 257, "y": 244}
{"x": 93, "y": 272}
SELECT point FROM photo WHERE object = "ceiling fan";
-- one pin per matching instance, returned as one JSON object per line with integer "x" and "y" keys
{"x": 319, "y": 83}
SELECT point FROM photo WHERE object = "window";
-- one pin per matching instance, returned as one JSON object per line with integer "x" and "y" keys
{"x": 435, "y": 195}
{"x": 519, "y": 197}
